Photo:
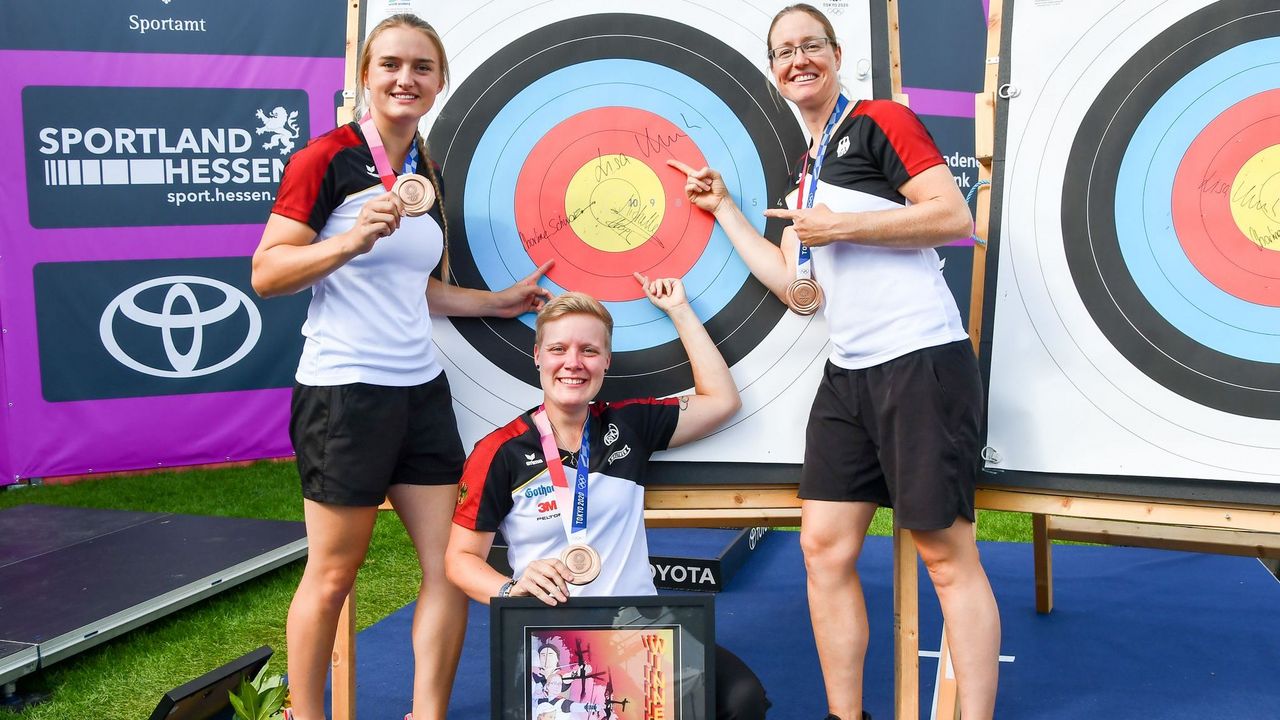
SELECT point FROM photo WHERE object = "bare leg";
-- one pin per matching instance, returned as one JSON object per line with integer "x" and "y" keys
{"x": 969, "y": 609}
{"x": 440, "y": 618}
{"x": 337, "y": 539}
{"x": 832, "y": 535}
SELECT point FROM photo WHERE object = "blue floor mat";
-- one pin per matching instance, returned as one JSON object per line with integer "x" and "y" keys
{"x": 1134, "y": 634}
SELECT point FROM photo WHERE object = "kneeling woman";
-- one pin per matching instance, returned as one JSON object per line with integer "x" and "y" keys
{"x": 610, "y": 443}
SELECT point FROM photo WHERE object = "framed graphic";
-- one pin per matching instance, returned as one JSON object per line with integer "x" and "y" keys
{"x": 618, "y": 658}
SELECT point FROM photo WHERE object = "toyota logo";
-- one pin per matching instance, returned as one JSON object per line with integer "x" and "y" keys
{"x": 184, "y": 364}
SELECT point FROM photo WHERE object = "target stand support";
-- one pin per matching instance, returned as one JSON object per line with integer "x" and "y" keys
{"x": 1178, "y": 518}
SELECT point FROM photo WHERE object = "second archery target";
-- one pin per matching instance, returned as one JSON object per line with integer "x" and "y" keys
{"x": 1140, "y": 241}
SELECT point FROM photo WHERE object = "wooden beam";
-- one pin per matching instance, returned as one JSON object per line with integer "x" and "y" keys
{"x": 759, "y": 517}
{"x": 343, "y": 662}
{"x": 1189, "y": 539}
{"x": 1042, "y": 551}
{"x": 946, "y": 695}
{"x": 906, "y": 626}
{"x": 683, "y": 497}
{"x": 1141, "y": 510}
{"x": 984, "y": 131}
{"x": 350, "y": 83}
{"x": 895, "y": 50}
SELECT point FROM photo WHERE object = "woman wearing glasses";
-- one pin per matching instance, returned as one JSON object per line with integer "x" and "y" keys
{"x": 895, "y": 421}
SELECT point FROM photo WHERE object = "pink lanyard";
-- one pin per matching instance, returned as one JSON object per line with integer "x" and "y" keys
{"x": 380, "y": 160}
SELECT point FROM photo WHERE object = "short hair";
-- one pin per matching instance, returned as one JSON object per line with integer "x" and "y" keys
{"x": 808, "y": 9}
{"x": 573, "y": 303}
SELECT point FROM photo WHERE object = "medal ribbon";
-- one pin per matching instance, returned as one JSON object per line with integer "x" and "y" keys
{"x": 576, "y": 521}
{"x": 374, "y": 140}
{"x": 804, "y": 257}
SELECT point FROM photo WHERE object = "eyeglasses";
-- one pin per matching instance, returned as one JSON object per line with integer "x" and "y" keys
{"x": 786, "y": 53}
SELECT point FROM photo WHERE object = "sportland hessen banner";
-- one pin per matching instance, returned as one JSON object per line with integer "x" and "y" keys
{"x": 144, "y": 141}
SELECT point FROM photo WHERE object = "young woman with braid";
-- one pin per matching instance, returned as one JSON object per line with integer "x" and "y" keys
{"x": 372, "y": 415}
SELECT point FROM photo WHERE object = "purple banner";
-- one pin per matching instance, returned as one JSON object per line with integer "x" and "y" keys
{"x": 124, "y": 247}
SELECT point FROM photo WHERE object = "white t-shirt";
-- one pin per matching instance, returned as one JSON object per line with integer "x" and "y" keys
{"x": 368, "y": 320}
{"x": 880, "y": 303}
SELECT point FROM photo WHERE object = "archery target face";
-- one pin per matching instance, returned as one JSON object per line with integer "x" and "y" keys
{"x": 553, "y": 140}
{"x": 1137, "y": 326}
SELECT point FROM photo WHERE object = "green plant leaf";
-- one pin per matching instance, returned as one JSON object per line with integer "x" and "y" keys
{"x": 273, "y": 700}
{"x": 241, "y": 713}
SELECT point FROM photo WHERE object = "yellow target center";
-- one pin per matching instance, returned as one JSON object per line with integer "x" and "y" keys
{"x": 1255, "y": 199}
{"x": 615, "y": 203}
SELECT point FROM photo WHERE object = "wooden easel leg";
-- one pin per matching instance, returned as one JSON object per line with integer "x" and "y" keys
{"x": 906, "y": 626}
{"x": 1043, "y": 551}
{"x": 946, "y": 698}
{"x": 343, "y": 697}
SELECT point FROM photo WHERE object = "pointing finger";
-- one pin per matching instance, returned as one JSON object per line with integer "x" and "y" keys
{"x": 784, "y": 213}
{"x": 681, "y": 166}
{"x": 534, "y": 276}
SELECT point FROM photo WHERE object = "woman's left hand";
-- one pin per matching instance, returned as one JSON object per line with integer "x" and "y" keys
{"x": 524, "y": 296}
{"x": 666, "y": 293}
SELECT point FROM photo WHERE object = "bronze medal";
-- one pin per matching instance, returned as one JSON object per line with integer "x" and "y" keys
{"x": 415, "y": 192}
{"x": 804, "y": 296}
{"x": 583, "y": 561}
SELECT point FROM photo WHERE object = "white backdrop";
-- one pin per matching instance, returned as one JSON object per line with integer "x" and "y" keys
{"x": 779, "y": 376}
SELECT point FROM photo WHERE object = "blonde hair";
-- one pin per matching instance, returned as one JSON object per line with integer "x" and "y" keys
{"x": 573, "y": 303}
{"x": 409, "y": 20}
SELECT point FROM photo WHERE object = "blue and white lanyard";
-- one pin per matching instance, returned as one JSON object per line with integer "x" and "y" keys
{"x": 411, "y": 160}
{"x": 804, "y": 258}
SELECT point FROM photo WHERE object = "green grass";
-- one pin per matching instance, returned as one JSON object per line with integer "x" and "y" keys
{"x": 124, "y": 677}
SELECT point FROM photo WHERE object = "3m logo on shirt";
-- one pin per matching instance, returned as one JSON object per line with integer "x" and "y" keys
{"x": 110, "y": 157}
{"x": 543, "y": 499}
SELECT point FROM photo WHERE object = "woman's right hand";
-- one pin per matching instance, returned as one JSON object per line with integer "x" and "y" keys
{"x": 377, "y": 219}
{"x": 705, "y": 187}
{"x": 545, "y": 579}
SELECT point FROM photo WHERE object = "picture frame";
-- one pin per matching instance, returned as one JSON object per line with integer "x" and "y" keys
{"x": 603, "y": 658}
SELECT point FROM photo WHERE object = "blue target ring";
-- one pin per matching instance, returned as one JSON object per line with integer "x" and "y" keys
{"x": 536, "y": 110}
{"x": 1167, "y": 278}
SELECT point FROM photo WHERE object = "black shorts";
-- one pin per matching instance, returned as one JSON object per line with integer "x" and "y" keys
{"x": 902, "y": 434}
{"x": 354, "y": 441}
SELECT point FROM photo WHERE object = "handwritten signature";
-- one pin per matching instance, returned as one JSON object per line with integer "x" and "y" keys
{"x": 607, "y": 165}
{"x": 1246, "y": 197}
{"x": 1264, "y": 240}
{"x": 657, "y": 142}
{"x": 634, "y": 218}
{"x": 555, "y": 225}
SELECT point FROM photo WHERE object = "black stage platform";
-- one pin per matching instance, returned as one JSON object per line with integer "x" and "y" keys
{"x": 71, "y": 578}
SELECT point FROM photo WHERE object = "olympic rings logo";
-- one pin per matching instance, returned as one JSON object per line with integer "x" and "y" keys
{"x": 184, "y": 364}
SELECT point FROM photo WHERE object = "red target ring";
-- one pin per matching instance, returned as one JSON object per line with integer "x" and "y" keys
{"x": 1205, "y": 190}
{"x": 612, "y": 162}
